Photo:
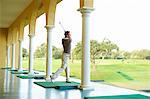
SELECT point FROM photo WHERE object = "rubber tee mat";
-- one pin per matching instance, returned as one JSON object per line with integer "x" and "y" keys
{"x": 59, "y": 85}
{"x": 132, "y": 96}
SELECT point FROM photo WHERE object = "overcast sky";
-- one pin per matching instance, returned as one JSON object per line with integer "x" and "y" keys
{"x": 124, "y": 22}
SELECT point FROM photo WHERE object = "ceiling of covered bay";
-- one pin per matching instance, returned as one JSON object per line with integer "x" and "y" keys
{"x": 10, "y": 10}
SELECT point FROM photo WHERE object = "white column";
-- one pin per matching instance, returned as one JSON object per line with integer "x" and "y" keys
{"x": 31, "y": 54}
{"x": 49, "y": 52}
{"x": 13, "y": 57}
{"x": 85, "y": 75}
{"x": 8, "y": 56}
{"x": 20, "y": 56}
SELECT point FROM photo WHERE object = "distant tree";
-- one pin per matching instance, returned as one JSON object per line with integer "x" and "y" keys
{"x": 140, "y": 54}
{"x": 147, "y": 57}
{"x": 77, "y": 51}
{"x": 107, "y": 48}
{"x": 134, "y": 54}
{"x": 144, "y": 53}
{"x": 115, "y": 54}
{"x": 24, "y": 52}
{"x": 72, "y": 57}
{"x": 103, "y": 49}
{"x": 121, "y": 54}
{"x": 127, "y": 55}
{"x": 41, "y": 51}
{"x": 95, "y": 50}
{"x": 57, "y": 53}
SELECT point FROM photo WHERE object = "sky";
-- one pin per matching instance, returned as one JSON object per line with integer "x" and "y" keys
{"x": 124, "y": 22}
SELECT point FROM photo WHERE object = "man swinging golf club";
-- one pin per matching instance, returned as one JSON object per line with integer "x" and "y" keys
{"x": 66, "y": 42}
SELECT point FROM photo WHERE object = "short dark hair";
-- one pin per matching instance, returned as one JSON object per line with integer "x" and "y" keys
{"x": 66, "y": 33}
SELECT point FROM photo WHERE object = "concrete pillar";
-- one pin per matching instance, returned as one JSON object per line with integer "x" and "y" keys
{"x": 8, "y": 56}
{"x": 13, "y": 57}
{"x": 20, "y": 56}
{"x": 49, "y": 52}
{"x": 31, "y": 54}
{"x": 85, "y": 78}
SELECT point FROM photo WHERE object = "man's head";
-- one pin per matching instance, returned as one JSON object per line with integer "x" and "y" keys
{"x": 67, "y": 33}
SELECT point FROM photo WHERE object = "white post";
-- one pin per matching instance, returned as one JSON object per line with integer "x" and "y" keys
{"x": 49, "y": 52}
{"x": 20, "y": 56}
{"x": 85, "y": 78}
{"x": 31, "y": 54}
{"x": 8, "y": 56}
{"x": 13, "y": 56}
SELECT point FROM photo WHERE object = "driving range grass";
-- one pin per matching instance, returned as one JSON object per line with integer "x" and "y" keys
{"x": 134, "y": 74}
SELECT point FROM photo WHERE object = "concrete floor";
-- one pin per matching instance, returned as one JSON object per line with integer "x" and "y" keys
{"x": 12, "y": 87}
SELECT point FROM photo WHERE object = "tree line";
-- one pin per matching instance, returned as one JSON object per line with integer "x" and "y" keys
{"x": 99, "y": 50}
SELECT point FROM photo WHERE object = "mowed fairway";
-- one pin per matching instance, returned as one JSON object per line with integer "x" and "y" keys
{"x": 133, "y": 74}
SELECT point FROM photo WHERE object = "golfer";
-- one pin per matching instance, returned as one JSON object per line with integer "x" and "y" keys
{"x": 66, "y": 42}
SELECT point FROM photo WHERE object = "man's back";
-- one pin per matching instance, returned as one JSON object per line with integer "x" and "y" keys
{"x": 66, "y": 42}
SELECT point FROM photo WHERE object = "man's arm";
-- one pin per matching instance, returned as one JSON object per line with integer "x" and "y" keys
{"x": 69, "y": 36}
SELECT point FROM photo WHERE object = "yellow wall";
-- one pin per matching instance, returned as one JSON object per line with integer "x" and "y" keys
{"x": 3, "y": 35}
{"x": 3, "y": 46}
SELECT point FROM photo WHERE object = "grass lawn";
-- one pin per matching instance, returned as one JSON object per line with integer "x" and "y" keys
{"x": 134, "y": 74}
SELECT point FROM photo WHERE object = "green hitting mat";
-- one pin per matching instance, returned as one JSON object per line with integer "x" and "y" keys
{"x": 132, "y": 96}
{"x": 30, "y": 77}
{"x": 6, "y": 68}
{"x": 25, "y": 77}
{"x": 145, "y": 90}
{"x": 20, "y": 72}
{"x": 12, "y": 69}
{"x": 59, "y": 85}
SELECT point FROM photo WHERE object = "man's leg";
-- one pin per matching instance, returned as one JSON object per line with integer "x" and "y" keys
{"x": 67, "y": 69}
{"x": 61, "y": 69}
{"x": 57, "y": 73}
